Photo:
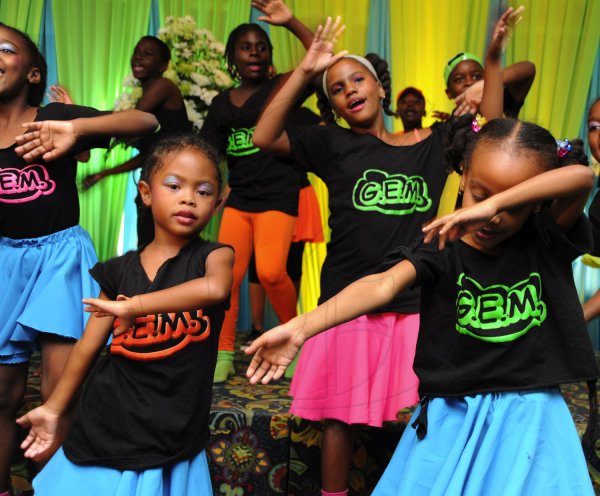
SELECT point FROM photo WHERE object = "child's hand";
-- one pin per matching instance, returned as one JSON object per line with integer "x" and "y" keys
{"x": 57, "y": 93}
{"x": 276, "y": 12}
{"x": 503, "y": 31}
{"x": 118, "y": 310}
{"x": 441, "y": 116}
{"x": 89, "y": 181}
{"x": 43, "y": 438}
{"x": 320, "y": 53}
{"x": 46, "y": 139}
{"x": 273, "y": 352}
{"x": 469, "y": 100}
{"x": 455, "y": 225}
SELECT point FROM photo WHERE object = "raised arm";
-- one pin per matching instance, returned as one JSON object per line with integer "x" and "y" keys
{"x": 44, "y": 422}
{"x": 202, "y": 292}
{"x": 567, "y": 187}
{"x": 53, "y": 139}
{"x": 492, "y": 101}
{"x": 276, "y": 349}
{"x": 270, "y": 131}
{"x": 279, "y": 14}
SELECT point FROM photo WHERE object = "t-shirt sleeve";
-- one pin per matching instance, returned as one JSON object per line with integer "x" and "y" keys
{"x": 108, "y": 276}
{"x": 64, "y": 112}
{"x": 311, "y": 148}
{"x": 564, "y": 244}
{"x": 429, "y": 262}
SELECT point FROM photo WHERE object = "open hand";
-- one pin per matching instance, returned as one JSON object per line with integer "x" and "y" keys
{"x": 469, "y": 100}
{"x": 320, "y": 55}
{"x": 503, "y": 31}
{"x": 59, "y": 94}
{"x": 46, "y": 139}
{"x": 44, "y": 436}
{"x": 273, "y": 351}
{"x": 275, "y": 11}
{"x": 460, "y": 222}
{"x": 117, "y": 309}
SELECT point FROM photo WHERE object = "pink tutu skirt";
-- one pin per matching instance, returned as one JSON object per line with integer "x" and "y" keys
{"x": 359, "y": 372}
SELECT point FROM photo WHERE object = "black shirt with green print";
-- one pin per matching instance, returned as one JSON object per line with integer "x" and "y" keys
{"x": 379, "y": 198}
{"x": 506, "y": 322}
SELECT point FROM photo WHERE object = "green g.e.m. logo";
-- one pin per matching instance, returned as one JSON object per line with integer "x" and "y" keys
{"x": 391, "y": 194}
{"x": 499, "y": 313}
{"x": 239, "y": 143}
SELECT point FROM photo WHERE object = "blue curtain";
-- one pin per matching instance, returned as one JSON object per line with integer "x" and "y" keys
{"x": 47, "y": 45}
{"x": 378, "y": 41}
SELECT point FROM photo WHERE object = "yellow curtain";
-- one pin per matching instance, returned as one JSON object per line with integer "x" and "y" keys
{"x": 425, "y": 35}
{"x": 25, "y": 15}
{"x": 94, "y": 41}
{"x": 561, "y": 37}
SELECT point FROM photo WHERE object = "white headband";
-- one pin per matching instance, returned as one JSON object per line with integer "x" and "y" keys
{"x": 360, "y": 60}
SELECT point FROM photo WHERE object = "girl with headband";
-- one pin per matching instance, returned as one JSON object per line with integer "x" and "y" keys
{"x": 382, "y": 188}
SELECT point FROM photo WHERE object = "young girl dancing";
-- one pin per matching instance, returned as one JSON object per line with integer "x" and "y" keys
{"x": 141, "y": 424}
{"x": 161, "y": 97}
{"x": 380, "y": 194}
{"x": 500, "y": 324}
{"x": 44, "y": 253}
{"x": 263, "y": 196}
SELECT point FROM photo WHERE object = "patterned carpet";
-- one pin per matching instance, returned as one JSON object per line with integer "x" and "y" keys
{"x": 257, "y": 448}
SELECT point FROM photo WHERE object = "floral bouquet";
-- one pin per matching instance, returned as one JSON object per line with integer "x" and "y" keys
{"x": 197, "y": 67}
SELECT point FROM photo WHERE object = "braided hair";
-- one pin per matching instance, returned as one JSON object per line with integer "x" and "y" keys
{"x": 519, "y": 137}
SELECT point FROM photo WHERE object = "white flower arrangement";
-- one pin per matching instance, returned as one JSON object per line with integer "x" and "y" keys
{"x": 197, "y": 67}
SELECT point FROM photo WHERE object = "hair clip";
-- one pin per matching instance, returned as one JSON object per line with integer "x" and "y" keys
{"x": 478, "y": 122}
{"x": 563, "y": 147}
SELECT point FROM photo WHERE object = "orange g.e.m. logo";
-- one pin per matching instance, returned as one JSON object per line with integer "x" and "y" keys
{"x": 161, "y": 335}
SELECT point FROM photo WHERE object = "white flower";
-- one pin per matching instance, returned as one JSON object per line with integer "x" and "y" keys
{"x": 200, "y": 79}
{"x": 198, "y": 68}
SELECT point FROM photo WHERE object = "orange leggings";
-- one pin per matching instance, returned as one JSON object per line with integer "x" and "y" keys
{"x": 269, "y": 234}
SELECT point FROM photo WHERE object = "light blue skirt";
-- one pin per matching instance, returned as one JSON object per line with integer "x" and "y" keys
{"x": 502, "y": 444}
{"x": 61, "y": 477}
{"x": 43, "y": 281}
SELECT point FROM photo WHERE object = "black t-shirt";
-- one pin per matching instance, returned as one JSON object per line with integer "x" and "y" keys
{"x": 147, "y": 402}
{"x": 171, "y": 121}
{"x": 258, "y": 179}
{"x": 40, "y": 198}
{"x": 503, "y": 322}
{"x": 379, "y": 198}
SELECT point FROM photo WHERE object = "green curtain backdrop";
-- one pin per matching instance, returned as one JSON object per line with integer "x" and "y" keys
{"x": 25, "y": 15}
{"x": 561, "y": 38}
{"x": 94, "y": 41}
{"x": 219, "y": 16}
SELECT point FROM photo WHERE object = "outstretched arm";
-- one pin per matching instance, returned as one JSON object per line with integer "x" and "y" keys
{"x": 279, "y": 14}
{"x": 202, "y": 292}
{"x": 131, "y": 164}
{"x": 53, "y": 139}
{"x": 568, "y": 188}
{"x": 487, "y": 95}
{"x": 274, "y": 350}
{"x": 44, "y": 422}
{"x": 270, "y": 131}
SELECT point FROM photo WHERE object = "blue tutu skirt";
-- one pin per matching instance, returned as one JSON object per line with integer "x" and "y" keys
{"x": 43, "y": 282}
{"x": 502, "y": 444}
{"x": 61, "y": 477}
